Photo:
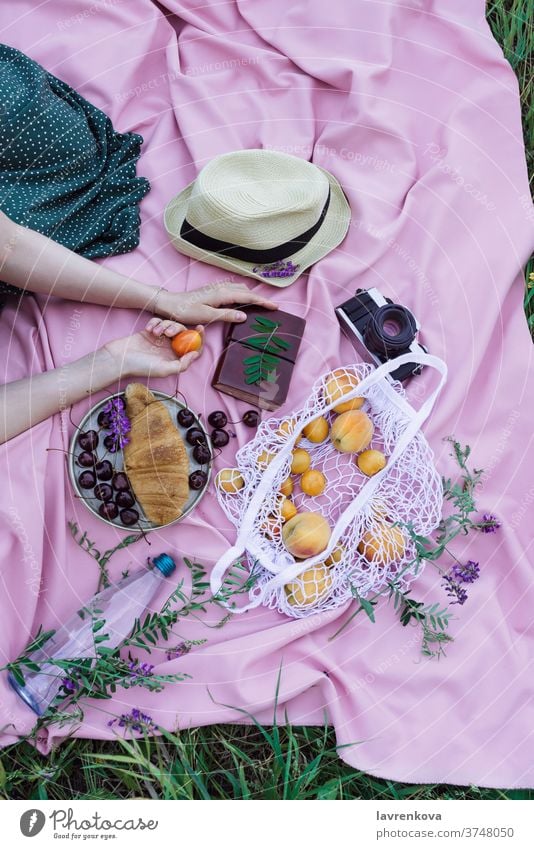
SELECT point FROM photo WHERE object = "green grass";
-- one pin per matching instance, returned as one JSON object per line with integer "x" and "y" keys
{"x": 253, "y": 762}
{"x": 512, "y": 23}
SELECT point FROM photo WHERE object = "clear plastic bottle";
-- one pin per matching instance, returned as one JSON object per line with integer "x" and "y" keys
{"x": 119, "y": 605}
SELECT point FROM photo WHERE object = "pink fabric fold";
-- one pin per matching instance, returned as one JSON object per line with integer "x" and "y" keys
{"x": 413, "y": 108}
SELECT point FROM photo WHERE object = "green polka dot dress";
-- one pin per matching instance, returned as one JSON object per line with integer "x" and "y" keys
{"x": 64, "y": 171}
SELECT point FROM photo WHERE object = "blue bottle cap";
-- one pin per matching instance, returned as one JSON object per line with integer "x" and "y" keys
{"x": 165, "y": 564}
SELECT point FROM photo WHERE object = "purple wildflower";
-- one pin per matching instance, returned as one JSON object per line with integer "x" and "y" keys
{"x": 282, "y": 268}
{"x": 135, "y": 721}
{"x": 139, "y": 670}
{"x": 489, "y": 524}
{"x": 69, "y": 685}
{"x": 466, "y": 573}
{"x": 119, "y": 423}
{"x": 454, "y": 590}
{"x": 178, "y": 651}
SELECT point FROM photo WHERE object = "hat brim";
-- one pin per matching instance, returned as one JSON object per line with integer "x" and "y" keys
{"x": 331, "y": 233}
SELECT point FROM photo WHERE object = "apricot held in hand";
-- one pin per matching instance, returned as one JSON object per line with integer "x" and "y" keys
{"x": 371, "y": 461}
{"x": 352, "y": 431}
{"x": 186, "y": 342}
{"x": 309, "y": 587}
{"x": 306, "y": 534}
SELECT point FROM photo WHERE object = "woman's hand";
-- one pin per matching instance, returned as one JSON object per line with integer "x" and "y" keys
{"x": 210, "y": 303}
{"x": 149, "y": 353}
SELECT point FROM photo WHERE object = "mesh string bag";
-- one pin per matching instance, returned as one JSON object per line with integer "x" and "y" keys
{"x": 357, "y": 535}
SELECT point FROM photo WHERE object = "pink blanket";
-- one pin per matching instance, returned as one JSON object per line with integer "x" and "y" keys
{"x": 413, "y": 108}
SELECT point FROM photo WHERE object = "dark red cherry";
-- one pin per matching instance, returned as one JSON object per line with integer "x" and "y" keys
{"x": 87, "y": 480}
{"x": 104, "y": 419}
{"x": 86, "y": 458}
{"x": 251, "y": 418}
{"x": 108, "y": 510}
{"x": 124, "y": 500}
{"x": 103, "y": 491}
{"x": 195, "y": 436}
{"x": 197, "y": 479}
{"x": 88, "y": 440}
{"x": 219, "y": 438}
{"x": 202, "y": 453}
{"x": 218, "y": 419}
{"x": 120, "y": 481}
{"x": 110, "y": 442}
{"x": 185, "y": 418}
{"x": 104, "y": 470}
{"x": 129, "y": 517}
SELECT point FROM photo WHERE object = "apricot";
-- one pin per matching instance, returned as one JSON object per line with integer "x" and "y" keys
{"x": 371, "y": 461}
{"x": 301, "y": 461}
{"x": 287, "y": 487}
{"x": 287, "y": 429}
{"x": 306, "y": 534}
{"x": 335, "y": 557}
{"x": 230, "y": 480}
{"x": 313, "y": 482}
{"x": 271, "y": 527}
{"x": 186, "y": 341}
{"x": 351, "y": 431}
{"x": 383, "y": 545}
{"x": 309, "y": 587}
{"x": 338, "y": 384}
{"x": 265, "y": 458}
{"x": 317, "y": 430}
{"x": 288, "y": 509}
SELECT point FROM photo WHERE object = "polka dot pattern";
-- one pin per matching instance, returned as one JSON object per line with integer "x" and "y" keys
{"x": 64, "y": 171}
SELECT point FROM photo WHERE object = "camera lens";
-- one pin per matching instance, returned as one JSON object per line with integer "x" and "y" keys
{"x": 390, "y": 331}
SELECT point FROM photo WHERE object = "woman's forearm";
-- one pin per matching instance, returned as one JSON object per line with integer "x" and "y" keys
{"x": 35, "y": 263}
{"x": 27, "y": 402}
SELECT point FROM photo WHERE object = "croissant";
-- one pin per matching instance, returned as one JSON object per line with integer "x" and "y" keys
{"x": 155, "y": 459}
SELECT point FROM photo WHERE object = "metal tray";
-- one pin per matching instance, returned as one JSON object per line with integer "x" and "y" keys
{"x": 89, "y": 422}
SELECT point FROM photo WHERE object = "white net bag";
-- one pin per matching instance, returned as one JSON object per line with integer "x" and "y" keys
{"x": 349, "y": 539}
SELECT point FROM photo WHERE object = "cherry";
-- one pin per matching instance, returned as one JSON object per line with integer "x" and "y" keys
{"x": 129, "y": 517}
{"x": 197, "y": 479}
{"x": 87, "y": 480}
{"x": 104, "y": 492}
{"x": 202, "y": 453}
{"x": 104, "y": 470}
{"x": 108, "y": 510}
{"x": 86, "y": 458}
{"x": 88, "y": 440}
{"x": 218, "y": 419}
{"x": 120, "y": 481}
{"x": 185, "y": 418}
{"x": 195, "y": 436}
{"x": 124, "y": 499}
{"x": 110, "y": 442}
{"x": 219, "y": 438}
{"x": 104, "y": 419}
{"x": 251, "y": 418}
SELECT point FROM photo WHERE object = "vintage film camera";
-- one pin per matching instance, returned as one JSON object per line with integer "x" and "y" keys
{"x": 381, "y": 330}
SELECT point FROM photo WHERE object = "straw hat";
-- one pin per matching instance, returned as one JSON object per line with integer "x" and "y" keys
{"x": 259, "y": 213}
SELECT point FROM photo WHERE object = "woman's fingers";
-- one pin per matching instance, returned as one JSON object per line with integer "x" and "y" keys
{"x": 179, "y": 365}
{"x": 235, "y": 293}
{"x": 164, "y": 327}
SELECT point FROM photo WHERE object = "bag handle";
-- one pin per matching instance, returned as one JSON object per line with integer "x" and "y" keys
{"x": 290, "y": 569}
